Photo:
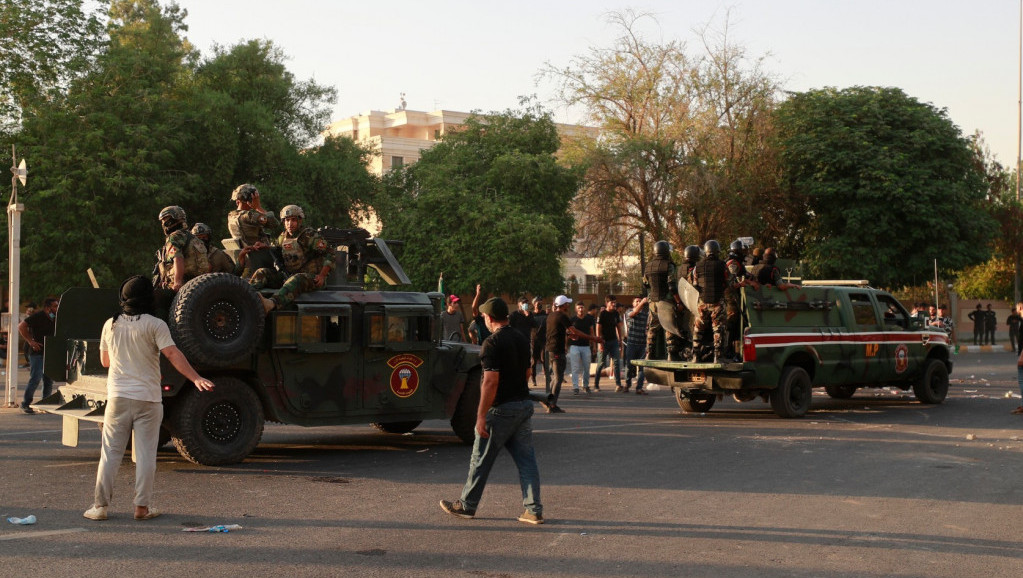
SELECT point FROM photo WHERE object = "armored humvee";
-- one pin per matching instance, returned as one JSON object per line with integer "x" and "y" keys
{"x": 341, "y": 355}
{"x": 841, "y": 336}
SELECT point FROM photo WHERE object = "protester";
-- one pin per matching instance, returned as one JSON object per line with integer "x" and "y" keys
{"x": 34, "y": 330}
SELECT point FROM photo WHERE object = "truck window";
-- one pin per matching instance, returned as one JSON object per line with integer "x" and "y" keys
{"x": 863, "y": 311}
{"x": 402, "y": 330}
{"x": 314, "y": 329}
{"x": 895, "y": 316}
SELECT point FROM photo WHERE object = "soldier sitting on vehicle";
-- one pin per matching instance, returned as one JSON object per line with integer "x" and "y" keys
{"x": 308, "y": 261}
{"x": 767, "y": 273}
{"x": 249, "y": 225}
{"x": 219, "y": 261}
{"x": 182, "y": 257}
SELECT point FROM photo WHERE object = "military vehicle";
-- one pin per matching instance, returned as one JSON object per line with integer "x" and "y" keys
{"x": 840, "y": 335}
{"x": 341, "y": 355}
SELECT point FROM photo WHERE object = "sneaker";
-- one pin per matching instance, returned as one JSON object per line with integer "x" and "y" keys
{"x": 619, "y": 389}
{"x": 28, "y": 410}
{"x": 557, "y": 409}
{"x": 576, "y": 391}
{"x": 457, "y": 508}
{"x": 531, "y": 518}
{"x": 586, "y": 389}
{"x": 96, "y": 513}
{"x": 149, "y": 515}
{"x": 640, "y": 392}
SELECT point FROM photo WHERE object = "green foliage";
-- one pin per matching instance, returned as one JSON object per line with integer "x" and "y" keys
{"x": 990, "y": 280}
{"x": 153, "y": 124}
{"x": 891, "y": 185}
{"x": 488, "y": 204}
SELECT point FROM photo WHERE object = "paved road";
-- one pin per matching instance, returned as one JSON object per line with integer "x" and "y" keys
{"x": 878, "y": 485}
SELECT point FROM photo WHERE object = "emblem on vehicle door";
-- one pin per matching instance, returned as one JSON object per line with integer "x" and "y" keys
{"x": 405, "y": 377}
{"x": 901, "y": 358}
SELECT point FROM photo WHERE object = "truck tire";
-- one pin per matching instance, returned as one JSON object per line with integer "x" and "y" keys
{"x": 216, "y": 320}
{"x": 792, "y": 396}
{"x": 695, "y": 402}
{"x": 840, "y": 391}
{"x": 463, "y": 421}
{"x": 218, "y": 427}
{"x": 397, "y": 427}
{"x": 932, "y": 386}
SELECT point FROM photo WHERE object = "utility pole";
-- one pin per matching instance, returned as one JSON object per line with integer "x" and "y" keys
{"x": 14, "y": 211}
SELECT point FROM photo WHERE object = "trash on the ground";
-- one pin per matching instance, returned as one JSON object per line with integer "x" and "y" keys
{"x": 652, "y": 387}
{"x": 970, "y": 437}
{"x": 218, "y": 529}
{"x": 26, "y": 521}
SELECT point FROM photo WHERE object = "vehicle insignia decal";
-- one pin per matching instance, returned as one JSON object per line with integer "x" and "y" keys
{"x": 901, "y": 358}
{"x": 405, "y": 377}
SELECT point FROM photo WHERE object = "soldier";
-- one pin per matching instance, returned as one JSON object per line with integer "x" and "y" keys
{"x": 660, "y": 281}
{"x": 308, "y": 259}
{"x": 710, "y": 277}
{"x": 250, "y": 224}
{"x": 767, "y": 273}
{"x": 738, "y": 277}
{"x": 219, "y": 261}
{"x": 182, "y": 257}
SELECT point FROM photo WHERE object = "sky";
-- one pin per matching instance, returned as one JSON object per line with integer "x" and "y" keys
{"x": 480, "y": 55}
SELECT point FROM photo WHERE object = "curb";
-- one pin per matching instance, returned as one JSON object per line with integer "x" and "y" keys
{"x": 984, "y": 348}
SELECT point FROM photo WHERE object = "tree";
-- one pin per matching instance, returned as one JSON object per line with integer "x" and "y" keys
{"x": 890, "y": 181}
{"x": 488, "y": 204}
{"x": 683, "y": 151}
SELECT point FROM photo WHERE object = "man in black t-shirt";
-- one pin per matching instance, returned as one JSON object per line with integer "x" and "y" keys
{"x": 538, "y": 339}
{"x": 609, "y": 328}
{"x": 556, "y": 348}
{"x": 579, "y": 352}
{"x": 33, "y": 330}
{"x": 503, "y": 419}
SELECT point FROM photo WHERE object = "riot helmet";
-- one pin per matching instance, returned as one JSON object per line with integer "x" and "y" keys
{"x": 292, "y": 211}
{"x": 244, "y": 193}
{"x": 692, "y": 254}
{"x": 662, "y": 249}
{"x": 712, "y": 248}
{"x": 737, "y": 249}
{"x": 172, "y": 218}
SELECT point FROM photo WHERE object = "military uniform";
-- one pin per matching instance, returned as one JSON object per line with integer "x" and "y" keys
{"x": 249, "y": 226}
{"x": 219, "y": 261}
{"x": 737, "y": 273}
{"x": 304, "y": 258}
{"x": 767, "y": 274}
{"x": 660, "y": 279}
{"x": 711, "y": 278}
{"x": 194, "y": 251}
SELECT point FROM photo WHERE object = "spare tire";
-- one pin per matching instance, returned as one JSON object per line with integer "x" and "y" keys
{"x": 217, "y": 320}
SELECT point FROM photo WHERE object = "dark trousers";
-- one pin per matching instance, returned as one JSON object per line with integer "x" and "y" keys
{"x": 558, "y": 362}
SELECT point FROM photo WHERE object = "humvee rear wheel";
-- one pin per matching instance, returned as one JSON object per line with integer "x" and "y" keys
{"x": 792, "y": 396}
{"x": 840, "y": 391}
{"x": 933, "y": 385}
{"x": 216, "y": 320}
{"x": 218, "y": 427}
{"x": 397, "y": 427}
{"x": 695, "y": 402}
{"x": 463, "y": 421}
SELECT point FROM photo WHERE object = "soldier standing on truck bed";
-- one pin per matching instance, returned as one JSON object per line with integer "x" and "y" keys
{"x": 249, "y": 225}
{"x": 710, "y": 277}
{"x": 661, "y": 282}
{"x": 182, "y": 257}
{"x": 308, "y": 259}
{"x": 738, "y": 277}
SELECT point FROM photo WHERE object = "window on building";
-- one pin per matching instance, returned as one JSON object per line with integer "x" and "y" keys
{"x": 436, "y": 134}
{"x": 397, "y": 162}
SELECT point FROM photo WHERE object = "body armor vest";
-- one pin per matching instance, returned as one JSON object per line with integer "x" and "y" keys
{"x": 244, "y": 228}
{"x": 710, "y": 274}
{"x": 657, "y": 273}
{"x": 765, "y": 273}
{"x": 196, "y": 262}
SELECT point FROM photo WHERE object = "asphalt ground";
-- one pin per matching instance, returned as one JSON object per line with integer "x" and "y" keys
{"x": 878, "y": 485}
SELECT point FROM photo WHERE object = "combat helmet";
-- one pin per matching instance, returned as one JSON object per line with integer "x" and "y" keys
{"x": 662, "y": 249}
{"x": 200, "y": 229}
{"x": 292, "y": 211}
{"x": 244, "y": 193}
{"x": 172, "y": 218}
{"x": 712, "y": 248}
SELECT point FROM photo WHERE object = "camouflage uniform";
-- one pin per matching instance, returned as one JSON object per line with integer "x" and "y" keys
{"x": 304, "y": 257}
{"x": 660, "y": 279}
{"x": 711, "y": 277}
{"x": 249, "y": 226}
{"x": 737, "y": 273}
{"x": 196, "y": 263}
{"x": 219, "y": 261}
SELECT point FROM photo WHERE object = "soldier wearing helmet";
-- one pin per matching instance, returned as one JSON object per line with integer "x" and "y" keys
{"x": 660, "y": 281}
{"x": 710, "y": 277}
{"x": 219, "y": 261}
{"x": 767, "y": 273}
{"x": 308, "y": 261}
{"x": 738, "y": 276}
{"x": 182, "y": 256}
{"x": 250, "y": 225}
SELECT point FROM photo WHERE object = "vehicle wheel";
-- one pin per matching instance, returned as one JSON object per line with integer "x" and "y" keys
{"x": 216, "y": 320}
{"x": 218, "y": 427}
{"x": 792, "y": 396}
{"x": 695, "y": 402}
{"x": 397, "y": 427}
{"x": 463, "y": 421}
{"x": 840, "y": 391}
{"x": 933, "y": 385}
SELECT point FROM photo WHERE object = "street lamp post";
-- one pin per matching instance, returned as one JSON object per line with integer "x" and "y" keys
{"x": 14, "y": 210}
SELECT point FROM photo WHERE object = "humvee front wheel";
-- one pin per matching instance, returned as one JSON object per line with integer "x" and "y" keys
{"x": 463, "y": 421}
{"x": 792, "y": 396}
{"x": 933, "y": 385}
{"x": 397, "y": 427}
{"x": 216, "y": 320}
{"x": 218, "y": 427}
{"x": 695, "y": 402}
{"x": 840, "y": 391}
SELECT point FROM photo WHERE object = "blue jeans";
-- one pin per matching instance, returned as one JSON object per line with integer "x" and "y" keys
{"x": 610, "y": 352}
{"x": 511, "y": 428}
{"x": 579, "y": 357}
{"x": 35, "y": 372}
{"x": 634, "y": 352}
{"x": 1019, "y": 381}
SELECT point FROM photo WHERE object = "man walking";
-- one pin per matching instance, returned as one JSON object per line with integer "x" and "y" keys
{"x": 33, "y": 330}
{"x": 635, "y": 342}
{"x": 558, "y": 323}
{"x": 611, "y": 331}
{"x": 503, "y": 418}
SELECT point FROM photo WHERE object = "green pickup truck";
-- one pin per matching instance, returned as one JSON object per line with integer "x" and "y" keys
{"x": 838, "y": 335}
